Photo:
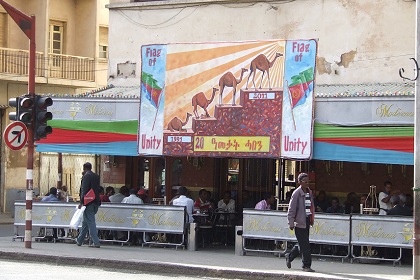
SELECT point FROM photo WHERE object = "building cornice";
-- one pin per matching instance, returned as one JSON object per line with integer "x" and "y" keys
{"x": 179, "y": 3}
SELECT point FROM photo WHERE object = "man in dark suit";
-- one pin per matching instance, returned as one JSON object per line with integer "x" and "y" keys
{"x": 90, "y": 181}
{"x": 398, "y": 208}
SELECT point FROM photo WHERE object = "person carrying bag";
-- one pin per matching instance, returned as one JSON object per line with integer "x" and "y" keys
{"x": 89, "y": 197}
{"x": 77, "y": 217}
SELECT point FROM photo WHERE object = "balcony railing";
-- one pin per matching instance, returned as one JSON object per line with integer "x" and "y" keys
{"x": 15, "y": 62}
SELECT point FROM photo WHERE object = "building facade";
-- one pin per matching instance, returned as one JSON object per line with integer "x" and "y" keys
{"x": 71, "y": 58}
{"x": 349, "y": 56}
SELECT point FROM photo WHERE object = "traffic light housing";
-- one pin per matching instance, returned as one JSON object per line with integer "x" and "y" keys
{"x": 24, "y": 107}
{"x": 13, "y": 102}
{"x": 42, "y": 116}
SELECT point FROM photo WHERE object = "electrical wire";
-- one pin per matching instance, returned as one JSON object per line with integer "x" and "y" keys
{"x": 196, "y": 6}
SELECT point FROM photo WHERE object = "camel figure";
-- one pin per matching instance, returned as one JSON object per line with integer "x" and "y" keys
{"x": 201, "y": 100}
{"x": 261, "y": 63}
{"x": 228, "y": 80}
{"x": 176, "y": 124}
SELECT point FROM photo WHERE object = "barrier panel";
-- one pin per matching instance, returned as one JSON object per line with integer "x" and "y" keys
{"x": 273, "y": 225}
{"x": 381, "y": 231}
{"x": 144, "y": 218}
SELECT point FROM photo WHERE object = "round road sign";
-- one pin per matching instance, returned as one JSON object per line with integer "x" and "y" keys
{"x": 16, "y": 135}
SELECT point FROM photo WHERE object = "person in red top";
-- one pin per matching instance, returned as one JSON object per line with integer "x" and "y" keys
{"x": 102, "y": 195}
{"x": 202, "y": 204}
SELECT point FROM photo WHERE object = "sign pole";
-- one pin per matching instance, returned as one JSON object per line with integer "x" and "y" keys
{"x": 30, "y": 159}
{"x": 27, "y": 24}
{"x": 416, "y": 195}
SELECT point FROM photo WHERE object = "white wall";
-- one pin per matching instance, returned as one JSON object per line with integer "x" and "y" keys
{"x": 374, "y": 38}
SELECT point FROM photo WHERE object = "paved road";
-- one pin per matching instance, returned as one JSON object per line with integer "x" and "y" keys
{"x": 40, "y": 271}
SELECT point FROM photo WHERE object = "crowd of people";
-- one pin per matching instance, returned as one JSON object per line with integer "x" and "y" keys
{"x": 390, "y": 201}
{"x": 56, "y": 194}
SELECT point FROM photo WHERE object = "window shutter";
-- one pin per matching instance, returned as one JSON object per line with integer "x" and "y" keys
{"x": 103, "y": 36}
{"x": 3, "y": 30}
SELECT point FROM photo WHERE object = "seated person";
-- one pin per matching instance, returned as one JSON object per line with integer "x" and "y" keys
{"x": 265, "y": 204}
{"x": 211, "y": 200}
{"x": 142, "y": 193}
{"x": 202, "y": 204}
{"x": 109, "y": 191}
{"x": 117, "y": 198}
{"x": 321, "y": 202}
{"x": 247, "y": 200}
{"x": 62, "y": 193}
{"x": 102, "y": 195}
{"x": 183, "y": 200}
{"x": 132, "y": 198}
{"x": 335, "y": 206}
{"x": 52, "y": 196}
{"x": 398, "y": 208}
{"x": 226, "y": 205}
{"x": 351, "y": 205}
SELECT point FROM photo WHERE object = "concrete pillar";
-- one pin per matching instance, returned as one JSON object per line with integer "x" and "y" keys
{"x": 239, "y": 241}
{"x": 192, "y": 237}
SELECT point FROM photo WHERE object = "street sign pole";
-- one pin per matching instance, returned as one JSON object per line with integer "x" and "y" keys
{"x": 27, "y": 24}
{"x": 30, "y": 160}
{"x": 416, "y": 214}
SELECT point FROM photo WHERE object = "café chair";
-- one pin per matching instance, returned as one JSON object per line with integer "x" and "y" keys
{"x": 206, "y": 227}
{"x": 224, "y": 225}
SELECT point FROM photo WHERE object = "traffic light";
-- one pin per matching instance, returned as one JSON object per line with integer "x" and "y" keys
{"x": 42, "y": 116}
{"x": 13, "y": 102}
{"x": 24, "y": 106}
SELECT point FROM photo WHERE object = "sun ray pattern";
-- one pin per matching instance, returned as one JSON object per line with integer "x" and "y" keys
{"x": 200, "y": 70}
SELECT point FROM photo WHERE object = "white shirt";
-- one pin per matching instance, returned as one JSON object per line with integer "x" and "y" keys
{"x": 182, "y": 200}
{"x": 382, "y": 204}
{"x": 230, "y": 207}
{"x": 132, "y": 199}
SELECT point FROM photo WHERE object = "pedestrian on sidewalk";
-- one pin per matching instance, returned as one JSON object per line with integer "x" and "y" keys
{"x": 90, "y": 180}
{"x": 300, "y": 216}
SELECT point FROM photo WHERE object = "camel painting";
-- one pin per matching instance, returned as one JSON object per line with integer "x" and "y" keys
{"x": 228, "y": 80}
{"x": 261, "y": 63}
{"x": 201, "y": 100}
{"x": 176, "y": 124}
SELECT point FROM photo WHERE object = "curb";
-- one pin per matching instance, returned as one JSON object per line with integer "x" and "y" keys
{"x": 155, "y": 267}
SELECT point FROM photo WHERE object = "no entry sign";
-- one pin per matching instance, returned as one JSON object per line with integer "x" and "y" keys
{"x": 16, "y": 135}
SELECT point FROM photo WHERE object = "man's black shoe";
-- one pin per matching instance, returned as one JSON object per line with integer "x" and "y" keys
{"x": 288, "y": 263}
{"x": 308, "y": 269}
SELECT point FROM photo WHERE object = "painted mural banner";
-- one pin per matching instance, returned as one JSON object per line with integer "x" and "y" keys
{"x": 273, "y": 225}
{"x": 226, "y": 99}
{"x": 148, "y": 218}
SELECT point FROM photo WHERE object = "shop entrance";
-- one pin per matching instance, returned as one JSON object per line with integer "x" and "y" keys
{"x": 253, "y": 175}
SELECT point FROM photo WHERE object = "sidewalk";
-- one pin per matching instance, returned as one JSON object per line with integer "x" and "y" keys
{"x": 216, "y": 262}
{"x": 6, "y": 218}
{"x": 211, "y": 262}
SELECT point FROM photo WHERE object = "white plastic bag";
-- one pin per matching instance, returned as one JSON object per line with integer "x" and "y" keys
{"x": 77, "y": 217}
